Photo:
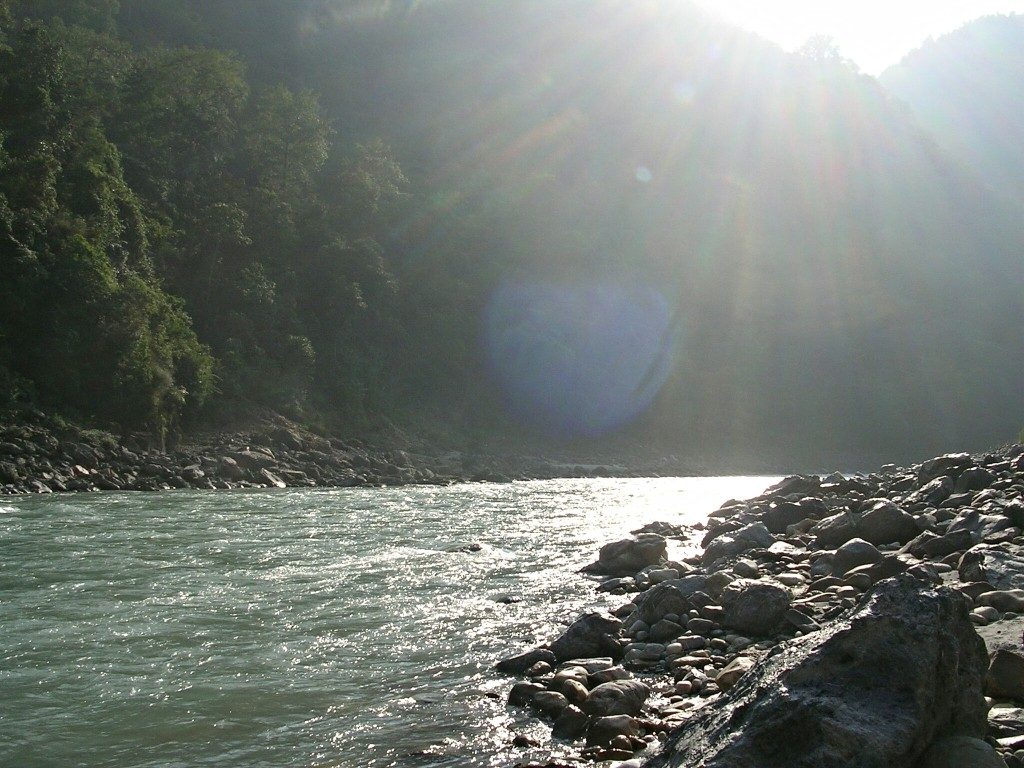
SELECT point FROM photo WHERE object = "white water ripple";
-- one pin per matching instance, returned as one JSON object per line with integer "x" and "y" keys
{"x": 347, "y": 627}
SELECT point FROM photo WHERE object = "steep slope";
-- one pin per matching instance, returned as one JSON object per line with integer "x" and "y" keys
{"x": 967, "y": 88}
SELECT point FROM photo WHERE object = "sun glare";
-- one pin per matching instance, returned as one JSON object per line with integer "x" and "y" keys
{"x": 874, "y": 34}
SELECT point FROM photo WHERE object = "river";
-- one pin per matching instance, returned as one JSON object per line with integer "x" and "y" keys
{"x": 345, "y": 627}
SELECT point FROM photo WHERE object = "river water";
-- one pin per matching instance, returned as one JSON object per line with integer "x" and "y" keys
{"x": 346, "y": 627}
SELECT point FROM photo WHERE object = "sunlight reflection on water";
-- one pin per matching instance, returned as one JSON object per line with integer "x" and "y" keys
{"x": 301, "y": 627}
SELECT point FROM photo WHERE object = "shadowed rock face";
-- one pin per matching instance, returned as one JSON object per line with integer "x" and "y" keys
{"x": 872, "y": 690}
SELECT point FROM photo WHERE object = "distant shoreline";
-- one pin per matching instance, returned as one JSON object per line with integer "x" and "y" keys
{"x": 40, "y": 455}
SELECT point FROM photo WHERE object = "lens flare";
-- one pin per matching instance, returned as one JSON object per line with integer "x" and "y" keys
{"x": 579, "y": 361}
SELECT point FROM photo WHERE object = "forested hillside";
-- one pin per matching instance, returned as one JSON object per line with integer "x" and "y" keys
{"x": 965, "y": 88}
{"x": 565, "y": 219}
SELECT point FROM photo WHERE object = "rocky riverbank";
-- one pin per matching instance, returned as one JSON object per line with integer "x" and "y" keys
{"x": 840, "y": 621}
{"x": 43, "y": 455}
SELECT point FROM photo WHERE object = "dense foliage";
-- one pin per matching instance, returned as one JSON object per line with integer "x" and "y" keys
{"x": 169, "y": 229}
{"x": 603, "y": 214}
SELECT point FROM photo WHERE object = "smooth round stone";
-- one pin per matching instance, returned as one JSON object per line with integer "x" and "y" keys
{"x": 575, "y": 692}
{"x": 986, "y": 612}
{"x": 637, "y": 627}
{"x": 790, "y": 579}
{"x": 549, "y": 702}
{"x": 691, "y": 642}
{"x": 579, "y": 674}
{"x": 700, "y": 626}
{"x": 539, "y": 669}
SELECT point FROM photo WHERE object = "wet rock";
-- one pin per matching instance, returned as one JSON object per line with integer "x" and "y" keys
{"x": 523, "y": 693}
{"x": 961, "y": 752}
{"x": 605, "y": 729}
{"x": 626, "y": 557}
{"x": 571, "y": 724}
{"x": 905, "y": 667}
{"x": 593, "y": 634}
{"x": 607, "y": 675}
{"x": 755, "y": 607}
{"x": 618, "y": 585}
{"x": 550, "y": 703}
{"x": 594, "y": 665}
{"x": 540, "y": 669}
{"x": 668, "y": 597}
{"x": 573, "y": 690}
{"x": 1005, "y": 678}
{"x": 661, "y": 528}
{"x": 619, "y": 697}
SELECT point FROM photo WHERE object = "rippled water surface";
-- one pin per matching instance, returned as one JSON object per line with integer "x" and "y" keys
{"x": 341, "y": 627}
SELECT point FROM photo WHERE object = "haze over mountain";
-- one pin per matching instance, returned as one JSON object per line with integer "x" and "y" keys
{"x": 610, "y": 218}
{"x": 965, "y": 88}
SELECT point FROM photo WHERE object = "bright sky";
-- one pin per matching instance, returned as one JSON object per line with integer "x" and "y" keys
{"x": 873, "y": 33}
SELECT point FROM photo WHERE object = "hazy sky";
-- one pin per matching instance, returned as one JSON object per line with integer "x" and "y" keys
{"x": 873, "y": 33}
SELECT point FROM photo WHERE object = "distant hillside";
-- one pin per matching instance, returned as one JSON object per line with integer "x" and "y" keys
{"x": 967, "y": 88}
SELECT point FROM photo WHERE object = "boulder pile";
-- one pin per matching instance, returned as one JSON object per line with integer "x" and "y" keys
{"x": 871, "y": 620}
{"x": 40, "y": 454}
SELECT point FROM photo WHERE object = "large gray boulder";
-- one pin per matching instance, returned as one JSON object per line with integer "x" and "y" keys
{"x": 872, "y": 690}
{"x": 879, "y": 522}
{"x": 1002, "y": 565}
{"x": 593, "y": 634}
{"x": 951, "y": 464}
{"x": 734, "y": 543}
{"x": 672, "y": 596}
{"x": 853, "y": 553}
{"x": 626, "y": 557}
{"x": 754, "y": 607}
{"x": 933, "y": 493}
{"x": 619, "y": 697}
{"x": 882, "y": 522}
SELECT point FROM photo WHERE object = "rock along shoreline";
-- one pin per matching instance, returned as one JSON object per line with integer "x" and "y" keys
{"x": 871, "y": 622}
{"x": 42, "y": 455}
